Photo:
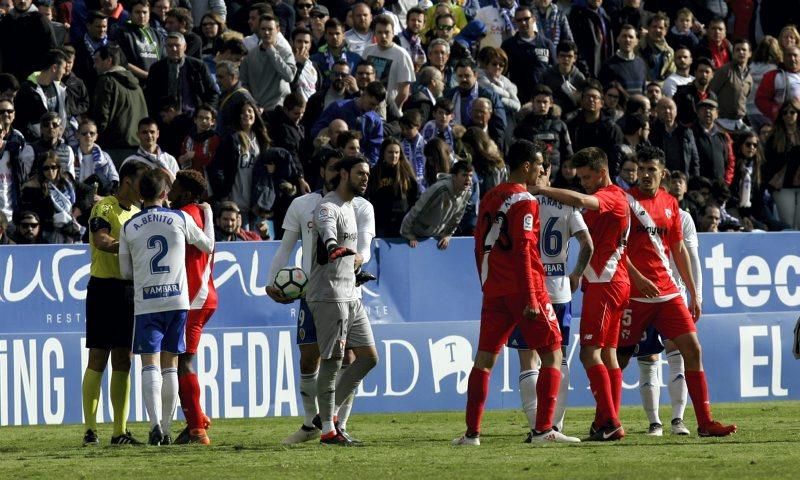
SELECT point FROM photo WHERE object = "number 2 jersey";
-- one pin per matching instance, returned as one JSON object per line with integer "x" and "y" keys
{"x": 558, "y": 223}
{"x": 506, "y": 243}
{"x": 154, "y": 241}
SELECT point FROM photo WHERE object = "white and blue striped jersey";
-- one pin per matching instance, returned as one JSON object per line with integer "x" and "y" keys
{"x": 557, "y": 223}
{"x": 152, "y": 251}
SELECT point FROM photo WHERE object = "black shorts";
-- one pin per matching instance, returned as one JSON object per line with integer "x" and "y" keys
{"x": 109, "y": 313}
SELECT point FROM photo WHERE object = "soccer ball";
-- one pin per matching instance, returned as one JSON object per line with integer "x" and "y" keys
{"x": 291, "y": 281}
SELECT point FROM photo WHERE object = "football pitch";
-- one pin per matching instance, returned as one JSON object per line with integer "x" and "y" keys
{"x": 417, "y": 445}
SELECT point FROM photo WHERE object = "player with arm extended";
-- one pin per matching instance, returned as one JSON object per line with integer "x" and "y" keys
{"x": 187, "y": 191}
{"x": 152, "y": 252}
{"x": 558, "y": 223}
{"x": 656, "y": 231}
{"x": 298, "y": 224}
{"x": 606, "y": 284}
{"x": 512, "y": 279}
{"x": 333, "y": 298}
{"x": 109, "y": 309}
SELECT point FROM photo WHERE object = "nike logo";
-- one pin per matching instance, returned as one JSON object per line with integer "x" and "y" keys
{"x": 608, "y": 435}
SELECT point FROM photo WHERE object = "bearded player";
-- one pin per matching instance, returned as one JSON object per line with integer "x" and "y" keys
{"x": 512, "y": 279}
{"x": 606, "y": 284}
{"x": 186, "y": 193}
{"x": 655, "y": 297}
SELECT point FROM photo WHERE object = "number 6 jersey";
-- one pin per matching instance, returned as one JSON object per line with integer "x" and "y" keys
{"x": 152, "y": 250}
{"x": 558, "y": 223}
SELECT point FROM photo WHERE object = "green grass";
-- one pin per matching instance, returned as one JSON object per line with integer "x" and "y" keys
{"x": 417, "y": 445}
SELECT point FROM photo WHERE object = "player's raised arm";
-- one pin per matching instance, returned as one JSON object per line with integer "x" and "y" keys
{"x": 567, "y": 197}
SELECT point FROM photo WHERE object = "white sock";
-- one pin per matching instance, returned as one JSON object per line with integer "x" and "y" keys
{"x": 527, "y": 392}
{"x": 169, "y": 398}
{"x": 563, "y": 396}
{"x": 308, "y": 392}
{"x": 344, "y": 410}
{"x": 151, "y": 391}
{"x": 676, "y": 384}
{"x": 649, "y": 389}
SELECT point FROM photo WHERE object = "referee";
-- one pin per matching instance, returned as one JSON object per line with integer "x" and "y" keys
{"x": 109, "y": 308}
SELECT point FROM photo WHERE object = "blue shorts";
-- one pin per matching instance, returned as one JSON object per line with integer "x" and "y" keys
{"x": 650, "y": 344}
{"x": 563, "y": 312}
{"x": 306, "y": 330}
{"x": 160, "y": 332}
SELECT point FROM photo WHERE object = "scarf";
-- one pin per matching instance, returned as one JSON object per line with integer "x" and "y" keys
{"x": 414, "y": 44}
{"x": 463, "y": 112}
{"x": 91, "y": 45}
{"x": 414, "y": 150}
{"x": 330, "y": 60}
{"x": 746, "y": 186}
{"x": 99, "y": 166}
{"x": 430, "y": 131}
{"x": 155, "y": 160}
{"x": 507, "y": 15}
{"x": 62, "y": 203}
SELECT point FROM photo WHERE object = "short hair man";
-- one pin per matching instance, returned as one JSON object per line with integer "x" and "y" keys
{"x": 152, "y": 253}
{"x": 267, "y": 70}
{"x": 393, "y": 66}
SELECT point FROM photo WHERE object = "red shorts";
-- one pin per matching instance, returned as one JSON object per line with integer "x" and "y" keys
{"x": 194, "y": 327}
{"x": 500, "y": 315}
{"x": 671, "y": 318}
{"x": 601, "y": 313}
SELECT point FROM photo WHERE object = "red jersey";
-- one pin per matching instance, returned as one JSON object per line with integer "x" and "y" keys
{"x": 507, "y": 243}
{"x": 655, "y": 226}
{"x": 199, "y": 278}
{"x": 608, "y": 227}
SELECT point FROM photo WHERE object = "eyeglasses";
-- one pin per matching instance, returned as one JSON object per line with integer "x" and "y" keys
{"x": 498, "y": 64}
{"x": 790, "y": 112}
{"x": 50, "y": 167}
{"x": 7, "y": 112}
{"x": 28, "y": 225}
{"x": 89, "y": 134}
{"x": 751, "y": 144}
{"x": 446, "y": 28}
{"x": 318, "y": 16}
{"x": 303, "y": 6}
{"x": 523, "y": 19}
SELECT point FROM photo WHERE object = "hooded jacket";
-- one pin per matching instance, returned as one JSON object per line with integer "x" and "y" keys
{"x": 117, "y": 106}
{"x": 31, "y": 104}
{"x": 438, "y": 211}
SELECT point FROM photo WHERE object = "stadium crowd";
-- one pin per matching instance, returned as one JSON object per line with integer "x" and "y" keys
{"x": 257, "y": 97}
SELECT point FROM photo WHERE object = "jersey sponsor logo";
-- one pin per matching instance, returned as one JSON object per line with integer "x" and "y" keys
{"x": 351, "y": 236}
{"x": 651, "y": 229}
{"x": 527, "y": 222}
{"x": 161, "y": 291}
{"x": 553, "y": 269}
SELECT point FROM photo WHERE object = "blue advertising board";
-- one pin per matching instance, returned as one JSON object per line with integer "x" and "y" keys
{"x": 424, "y": 308}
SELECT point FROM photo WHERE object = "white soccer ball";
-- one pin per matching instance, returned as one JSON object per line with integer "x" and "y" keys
{"x": 291, "y": 281}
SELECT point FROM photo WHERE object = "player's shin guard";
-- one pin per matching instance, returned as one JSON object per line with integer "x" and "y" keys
{"x": 189, "y": 392}
{"x": 615, "y": 380}
{"x": 151, "y": 391}
{"x": 308, "y": 392}
{"x": 563, "y": 397}
{"x": 120, "y": 393}
{"x": 351, "y": 378}
{"x": 477, "y": 391}
{"x": 547, "y": 393}
{"x": 676, "y": 384}
{"x": 649, "y": 389}
{"x": 698, "y": 390}
{"x": 527, "y": 392}
{"x": 326, "y": 386}
{"x": 601, "y": 390}
{"x": 169, "y": 398}
{"x": 90, "y": 390}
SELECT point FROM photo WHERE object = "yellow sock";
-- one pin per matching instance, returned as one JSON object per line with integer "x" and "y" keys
{"x": 120, "y": 392}
{"x": 91, "y": 397}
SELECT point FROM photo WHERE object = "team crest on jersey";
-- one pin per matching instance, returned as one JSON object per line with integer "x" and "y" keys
{"x": 527, "y": 222}
{"x": 324, "y": 214}
{"x": 668, "y": 212}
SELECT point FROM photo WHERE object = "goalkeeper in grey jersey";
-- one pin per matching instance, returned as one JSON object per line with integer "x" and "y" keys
{"x": 333, "y": 299}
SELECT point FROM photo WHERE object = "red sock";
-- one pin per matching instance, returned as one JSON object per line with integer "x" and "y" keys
{"x": 615, "y": 378}
{"x": 546, "y": 393}
{"x": 477, "y": 391}
{"x": 601, "y": 389}
{"x": 698, "y": 391}
{"x": 189, "y": 392}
